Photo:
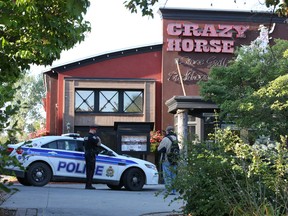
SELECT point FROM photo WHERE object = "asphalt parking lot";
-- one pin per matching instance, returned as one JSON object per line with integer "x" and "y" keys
{"x": 63, "y": 199}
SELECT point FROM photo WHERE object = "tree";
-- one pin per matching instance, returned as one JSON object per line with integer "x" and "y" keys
{"x": 29, "y": 95}
{"x": 35, "y": 32}
{"x": 146, "y": 6}
{"x": 251, "y": 91}
{"x": 280, "y": 6}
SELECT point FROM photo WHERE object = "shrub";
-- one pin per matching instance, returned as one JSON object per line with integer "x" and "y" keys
{"x": 229, "y": 177}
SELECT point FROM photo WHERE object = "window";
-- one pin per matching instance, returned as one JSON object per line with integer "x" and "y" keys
{"x": 133, "y": 101}
{"x": 51, "y": 145}
{"x": 69, "y": 145}
{"x": 84, "y": 101}
{"x": 109, "y": 101}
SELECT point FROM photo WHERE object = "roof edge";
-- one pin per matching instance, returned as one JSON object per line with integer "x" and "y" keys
{"x": 220, "y": 15}
{"x": 106, "y": 56}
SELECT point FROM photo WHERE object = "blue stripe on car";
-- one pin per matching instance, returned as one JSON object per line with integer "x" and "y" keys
{"x": 74, "y": 155}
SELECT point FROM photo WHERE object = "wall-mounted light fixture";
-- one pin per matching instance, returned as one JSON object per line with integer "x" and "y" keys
{"x": 68, "y": 126}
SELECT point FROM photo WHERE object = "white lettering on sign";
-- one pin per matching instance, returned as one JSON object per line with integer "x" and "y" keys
{"x": 193, "y": 72}
{"x": 207, "y": 30}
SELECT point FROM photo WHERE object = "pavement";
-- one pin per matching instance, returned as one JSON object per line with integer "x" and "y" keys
{"x": 71, "y": 199}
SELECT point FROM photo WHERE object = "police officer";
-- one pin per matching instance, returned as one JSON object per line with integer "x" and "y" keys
{"x": 91, "y": 143}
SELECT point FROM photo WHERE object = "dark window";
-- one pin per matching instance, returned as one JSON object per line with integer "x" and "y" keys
{"x": 209, "y": 125}
{"x": 80, "y": 146}
{"x": 107, "y": 135}
{"x": 104, "y": 151}
{"x": 51, "y": 145}
{"x": 109, "y": 101}
{"x": 69, "y": 145}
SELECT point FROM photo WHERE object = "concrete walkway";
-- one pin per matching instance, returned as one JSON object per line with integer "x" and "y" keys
{"x": 66, "y": 199}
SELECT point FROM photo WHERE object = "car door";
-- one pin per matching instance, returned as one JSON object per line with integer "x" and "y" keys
{"x": 66, "y": 158}
{"x": 107, "y": 165}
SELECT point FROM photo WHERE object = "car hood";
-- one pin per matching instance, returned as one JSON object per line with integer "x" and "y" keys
{"x": 137, "y": 160}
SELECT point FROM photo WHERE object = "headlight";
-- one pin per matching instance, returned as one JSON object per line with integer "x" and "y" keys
{"x": 151, "y": 166}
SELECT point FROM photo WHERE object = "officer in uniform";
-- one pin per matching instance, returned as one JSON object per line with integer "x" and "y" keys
{"x": 91, "y": 143}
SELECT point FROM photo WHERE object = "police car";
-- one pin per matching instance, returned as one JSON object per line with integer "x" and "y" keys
{"x": 61, "y": 158}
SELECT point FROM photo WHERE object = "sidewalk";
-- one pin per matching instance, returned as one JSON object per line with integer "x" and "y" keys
{"x": 58, "y": 199}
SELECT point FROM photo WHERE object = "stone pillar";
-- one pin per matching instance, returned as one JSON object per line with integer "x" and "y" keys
{"x": 182, "y": 129}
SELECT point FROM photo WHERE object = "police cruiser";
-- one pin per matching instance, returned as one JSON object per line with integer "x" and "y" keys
{"x": 61, "y": 158}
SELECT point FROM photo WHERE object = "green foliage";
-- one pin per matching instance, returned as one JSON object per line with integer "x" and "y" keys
{"x": 30, "y": 94}
{"x": 230, "y": 177}
{"x": 35, "y": 32}
{"x": 145, "y": 6}
{"x": 251, "y": 90}
{"x": 281, "y": 8}
{"x": 32, "y": 32}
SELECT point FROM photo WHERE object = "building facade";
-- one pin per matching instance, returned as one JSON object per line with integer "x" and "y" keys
{"x": 130, "y": 92}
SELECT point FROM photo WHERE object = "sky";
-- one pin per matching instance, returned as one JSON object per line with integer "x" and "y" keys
{"x": 114, "y": 28}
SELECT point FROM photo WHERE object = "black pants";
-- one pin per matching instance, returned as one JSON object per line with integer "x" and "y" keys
{"x": 90, "y": 168}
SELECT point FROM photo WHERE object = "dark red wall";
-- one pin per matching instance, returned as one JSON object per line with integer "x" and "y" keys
{"x": 143, "y": 65}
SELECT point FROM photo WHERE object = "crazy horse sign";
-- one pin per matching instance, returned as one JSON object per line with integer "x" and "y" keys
{"x": 211, "y": 38}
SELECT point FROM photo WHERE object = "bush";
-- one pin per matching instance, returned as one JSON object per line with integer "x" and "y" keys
{"x": 230, "y": 177}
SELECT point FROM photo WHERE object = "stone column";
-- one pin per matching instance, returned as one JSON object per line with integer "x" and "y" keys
{"x": 182, "y": 129}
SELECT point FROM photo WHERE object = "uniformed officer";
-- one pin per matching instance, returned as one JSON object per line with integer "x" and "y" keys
{"x": 91, "y": 143}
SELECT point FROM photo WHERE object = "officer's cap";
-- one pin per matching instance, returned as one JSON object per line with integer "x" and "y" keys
{"x": 93, "y": 127}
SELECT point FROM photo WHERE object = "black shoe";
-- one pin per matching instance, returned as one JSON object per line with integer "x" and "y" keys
{"x": 90, "y": 188}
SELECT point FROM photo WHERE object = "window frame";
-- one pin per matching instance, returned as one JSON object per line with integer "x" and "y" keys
{"x": 121, "y": 94}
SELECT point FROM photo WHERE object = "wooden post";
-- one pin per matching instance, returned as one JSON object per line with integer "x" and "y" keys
{"x": 180, "y": 76}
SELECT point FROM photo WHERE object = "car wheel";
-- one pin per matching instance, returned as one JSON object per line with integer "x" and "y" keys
{"x": 115, "y": 187}
{"x": 24, "y": 181}
{"x": 39, "y": 174}
{"x": 134, "y": 179}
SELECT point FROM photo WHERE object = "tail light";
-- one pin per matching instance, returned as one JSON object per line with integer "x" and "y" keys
{"x": 9, "y": 149}
{"x": 18, "y": 150}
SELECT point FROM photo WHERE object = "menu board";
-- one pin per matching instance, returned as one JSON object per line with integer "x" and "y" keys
{"x": 133, "y": 143}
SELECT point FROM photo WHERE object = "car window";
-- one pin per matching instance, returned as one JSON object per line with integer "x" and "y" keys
{"x": 80, "y": 146}
{"x": 51, "y": 145}
{"x": 61, "y": 144}
{"x": 69, "y": 145}
{"x": 104, "y": 151}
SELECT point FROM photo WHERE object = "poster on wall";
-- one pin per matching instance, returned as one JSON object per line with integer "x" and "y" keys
{"x": 134, "y": 143}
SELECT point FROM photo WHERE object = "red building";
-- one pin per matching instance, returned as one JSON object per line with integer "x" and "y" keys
{"x": 146, "y": 88}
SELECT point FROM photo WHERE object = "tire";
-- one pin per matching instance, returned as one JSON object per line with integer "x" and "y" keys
{"x": 134, "y": 179}
{"x": 115, "y": 187}
{"x": 39, "y": 174}
{"x": 24, "y": 181}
